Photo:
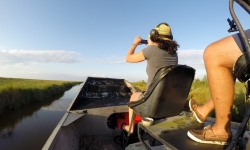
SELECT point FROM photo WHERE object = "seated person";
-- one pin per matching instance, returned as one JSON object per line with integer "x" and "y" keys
{"x": 160, "y": 52}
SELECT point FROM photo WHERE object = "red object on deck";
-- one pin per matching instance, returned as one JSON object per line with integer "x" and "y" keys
{"x": 124, "y": 118}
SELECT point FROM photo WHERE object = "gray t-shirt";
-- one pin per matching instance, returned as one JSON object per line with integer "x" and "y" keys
{"x": 156, "y": 59}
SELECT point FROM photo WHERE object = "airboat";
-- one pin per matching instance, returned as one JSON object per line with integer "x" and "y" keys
{"x": 96, "y": 115}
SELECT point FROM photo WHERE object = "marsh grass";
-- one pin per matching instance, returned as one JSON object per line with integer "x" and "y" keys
{"x": 140, "y": 84}
{"x": 200, "y": 92}
{"x": 15, "y": 93}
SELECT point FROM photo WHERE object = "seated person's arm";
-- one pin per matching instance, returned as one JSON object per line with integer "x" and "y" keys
{"x": 137, "y": 57}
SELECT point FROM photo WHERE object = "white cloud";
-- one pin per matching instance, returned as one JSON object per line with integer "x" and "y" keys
{"x": 193, "y": 58}
{"x": 44, "y": 75}
{"x": 109, "y": 60}
{"x": 22, "y": 57}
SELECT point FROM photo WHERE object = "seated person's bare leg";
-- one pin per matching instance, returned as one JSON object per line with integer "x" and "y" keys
{"x": 219, "y": 58}
{"x": 134, "y": 97}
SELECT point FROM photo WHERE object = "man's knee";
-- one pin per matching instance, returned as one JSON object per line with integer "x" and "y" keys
{"x": 209, "y": 53}
{"x": 223, "y": 52}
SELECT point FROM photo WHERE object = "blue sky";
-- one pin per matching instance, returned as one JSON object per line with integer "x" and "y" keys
{"x": 71, "y": 40}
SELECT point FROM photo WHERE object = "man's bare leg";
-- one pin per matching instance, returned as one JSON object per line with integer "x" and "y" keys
{"x": 219, "y": 58}
{"x": 205, "y": 109}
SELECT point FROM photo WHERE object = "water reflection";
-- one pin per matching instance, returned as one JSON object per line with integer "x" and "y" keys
{"x": 10, "y": 119}
{"x": 6, "y": 133}
{"x": 30, "y": 127}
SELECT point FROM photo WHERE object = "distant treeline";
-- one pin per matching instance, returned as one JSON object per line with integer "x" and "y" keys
{"x": 200, "y": 92}
{"x": 15, "y": 93}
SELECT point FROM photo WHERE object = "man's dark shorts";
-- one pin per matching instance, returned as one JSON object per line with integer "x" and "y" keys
{"x": 239, "y": 41}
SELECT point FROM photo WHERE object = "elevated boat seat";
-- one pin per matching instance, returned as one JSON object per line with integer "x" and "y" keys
{"x": 166, "y": 95}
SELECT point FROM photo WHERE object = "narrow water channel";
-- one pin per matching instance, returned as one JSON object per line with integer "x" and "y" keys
{"x": 30, "y": 127}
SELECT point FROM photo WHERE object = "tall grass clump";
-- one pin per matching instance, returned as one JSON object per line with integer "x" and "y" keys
{"x": 199, "y": 90}
{"x": 140, "y": 84}
{"x": 15, "y": 93}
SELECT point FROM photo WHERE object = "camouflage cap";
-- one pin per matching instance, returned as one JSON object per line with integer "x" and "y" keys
{"x": 164, "y": 31}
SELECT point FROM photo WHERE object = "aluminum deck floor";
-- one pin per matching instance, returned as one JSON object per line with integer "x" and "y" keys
{"x": 172, "y": 132}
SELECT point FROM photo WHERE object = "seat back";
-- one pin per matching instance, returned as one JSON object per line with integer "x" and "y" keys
{"x": 167, "y": 94}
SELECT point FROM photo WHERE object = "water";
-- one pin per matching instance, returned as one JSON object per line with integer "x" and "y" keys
{"x": 30, "y": 127}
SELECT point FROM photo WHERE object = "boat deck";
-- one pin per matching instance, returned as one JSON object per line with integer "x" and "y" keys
{"x": 105, "y": 142}
{"x": 172, "y": 132}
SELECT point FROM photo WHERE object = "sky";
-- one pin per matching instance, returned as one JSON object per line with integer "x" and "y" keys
{"x": 73, "y": 40}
